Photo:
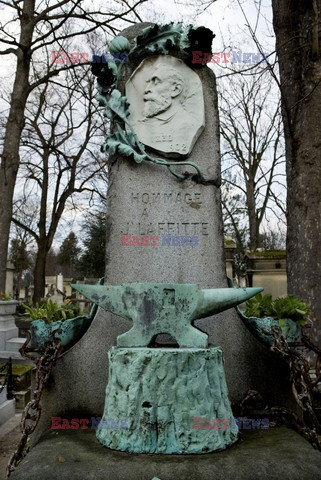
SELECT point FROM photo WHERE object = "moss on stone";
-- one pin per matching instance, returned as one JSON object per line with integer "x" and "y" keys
{"x": 267, "y": 253}
{"x": 19, "y": 369}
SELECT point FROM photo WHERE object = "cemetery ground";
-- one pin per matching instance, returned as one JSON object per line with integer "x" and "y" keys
{"x": 10, "y": 435}
{"x": 274, "y": 454}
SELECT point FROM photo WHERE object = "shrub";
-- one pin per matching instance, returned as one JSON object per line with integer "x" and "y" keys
{"x": 281, "y": 308}
{"x": 259, "y": 306}
{"x": 4, "y": 297}
{"x": 51, "y": 312}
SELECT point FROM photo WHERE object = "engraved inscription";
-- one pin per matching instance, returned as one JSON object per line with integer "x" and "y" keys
{"x": 162, "y": 138}
{"x": 167, "y": 198}
{"x": 173, "y": 228}
{"x": 146, "y": 202}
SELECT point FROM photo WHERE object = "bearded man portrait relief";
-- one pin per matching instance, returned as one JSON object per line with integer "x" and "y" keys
{"x": 166, "y": 105}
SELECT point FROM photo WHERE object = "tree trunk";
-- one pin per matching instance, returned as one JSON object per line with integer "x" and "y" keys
{"x": 252, "y": 214}
{"x": 10, "y": 164}
{"x": 298, "y": 48}
{"x": 39, "y": 274}
{"x": 10, "y": 154}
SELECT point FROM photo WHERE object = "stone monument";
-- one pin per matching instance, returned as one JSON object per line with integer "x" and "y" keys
{"x": 161, "y": 227}
{"x": 164, "y": 226}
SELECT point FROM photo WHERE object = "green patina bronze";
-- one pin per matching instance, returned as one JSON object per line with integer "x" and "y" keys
{"x": 67, "y": 331}
{"x": 161, "y": 391}
{"x": 156, "y": 308}
{"x": 265, "y": 329}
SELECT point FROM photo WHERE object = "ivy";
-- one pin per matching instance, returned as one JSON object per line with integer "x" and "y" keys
{"x": 160, "y": 39}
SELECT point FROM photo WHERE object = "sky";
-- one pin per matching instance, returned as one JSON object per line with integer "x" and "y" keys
{"x": 229, "y": 21}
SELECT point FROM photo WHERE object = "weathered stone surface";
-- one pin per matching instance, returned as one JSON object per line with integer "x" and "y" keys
{"x": 159, "y": 391}
{"x": 274, "y": 454}
{"x": 166, "y": 105}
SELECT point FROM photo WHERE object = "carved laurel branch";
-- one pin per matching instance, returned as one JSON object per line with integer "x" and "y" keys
{"x": 156, "y": 40}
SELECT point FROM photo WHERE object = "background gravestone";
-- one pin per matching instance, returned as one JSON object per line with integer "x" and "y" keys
{"x": 146, "y": 199}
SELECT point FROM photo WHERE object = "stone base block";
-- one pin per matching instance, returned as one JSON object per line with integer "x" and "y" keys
{"x": 6, "y": 334}
{"x": 153, "y": 395}
{"x": 14, "y": 344}
{"x": 15, "y": 356}
{"x": 7, "y": 321}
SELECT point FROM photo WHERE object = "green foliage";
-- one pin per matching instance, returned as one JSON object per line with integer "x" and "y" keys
{"x": 281, "y": 308}
{"x": 160, "y": 38}
{"x": 273, "y": 240}
{"x": 69, "y": 249}
{"x": 92, "y": 261}
{"x": 291, "y": 307}
{"x": 196, "y": 39}
{"x": 117, "y": 104}
{"x": 125, "y": 144}
{"x": 19, "y": 255}
{"x": 4, "y": 297}
{"x": 259, "y": 306}
{"x": 105, "y": 73}
{"x": 121, "y": 141}
{"x": 18, "y": 369}
{"x": 50, "y": 312}
{"x": 266, "y": 253}
{"x": 68, "y": 254}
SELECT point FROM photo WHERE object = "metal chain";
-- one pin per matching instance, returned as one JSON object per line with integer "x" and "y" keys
{"x": 45, "y": 361}
{"x": 302, "y": 387}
